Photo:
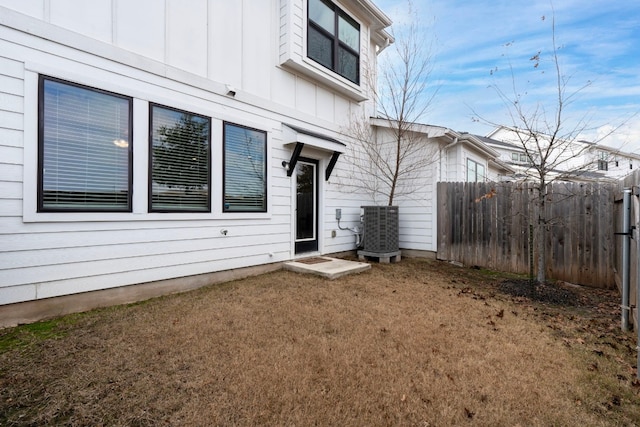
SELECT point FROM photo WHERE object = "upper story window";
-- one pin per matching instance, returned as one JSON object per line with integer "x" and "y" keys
{"x": 179, "y": 161}
{"x": 245, "y": 169}
{"x": 84, "y": 148}
{"x": 333, "y": 39}
{"x": 475, "y": 171}
{"x": 520, "y": 157}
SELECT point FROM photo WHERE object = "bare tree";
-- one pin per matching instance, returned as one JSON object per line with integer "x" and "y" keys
{"x": 549, "y": 136}
{"x": 388, "y": 157}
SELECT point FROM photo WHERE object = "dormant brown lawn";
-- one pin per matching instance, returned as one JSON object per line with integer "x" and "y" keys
{"x": 419, "y": 343}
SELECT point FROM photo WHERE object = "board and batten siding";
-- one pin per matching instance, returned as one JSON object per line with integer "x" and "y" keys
{"x": 230, "y": 42}
{"x": 52, "y": 254}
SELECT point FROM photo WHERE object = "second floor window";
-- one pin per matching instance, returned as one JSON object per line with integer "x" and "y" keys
{"x": 333, "y": 39}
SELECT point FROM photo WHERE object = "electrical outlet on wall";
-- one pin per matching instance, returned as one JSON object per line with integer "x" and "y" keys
{"x": 338, "y": 214}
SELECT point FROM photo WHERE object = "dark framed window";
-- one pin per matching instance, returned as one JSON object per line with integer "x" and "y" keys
{"x": 245, "y": 169}
{"x": 603, "y": 165}
{"x": 475, "y": 171}
{"x": 333, "y": 39}
{"x": 179, "y": 161}
{"x": 84, "y": 148}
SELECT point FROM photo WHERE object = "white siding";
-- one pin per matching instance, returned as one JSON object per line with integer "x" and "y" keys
{"x": 225, "y": 54}
{"x": 183, "y": 58}
{"x": 91, "y": 18}
{"x": 142, "y": 36}
{"x": 33, "y": 8}
{"x": 187, "y": 35}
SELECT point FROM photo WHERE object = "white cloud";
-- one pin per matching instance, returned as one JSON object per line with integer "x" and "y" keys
{"x": 598, "y": 42}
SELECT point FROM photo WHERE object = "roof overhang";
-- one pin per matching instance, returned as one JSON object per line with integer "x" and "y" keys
{"x": 478, "y": 145}
{"x": 428, "y": 130}
{"x": 303, "y": 137}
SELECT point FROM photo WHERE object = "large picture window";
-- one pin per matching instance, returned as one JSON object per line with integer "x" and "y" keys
{"x": 245, "y": 169}
{"x": 179, "y": 161}
{"x": 84, "y": 148}
{"x": 333, "y": 39}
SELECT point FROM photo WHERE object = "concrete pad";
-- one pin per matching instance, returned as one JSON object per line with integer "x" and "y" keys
{"x": 331, "y": 268}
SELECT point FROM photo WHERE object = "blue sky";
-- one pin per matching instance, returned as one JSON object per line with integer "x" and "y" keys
{"x": 477, "y": 42}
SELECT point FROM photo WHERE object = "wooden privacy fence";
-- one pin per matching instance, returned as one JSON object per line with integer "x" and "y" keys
{"x": 489, "y": 225}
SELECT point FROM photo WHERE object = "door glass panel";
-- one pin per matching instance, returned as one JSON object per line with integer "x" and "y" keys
{"x": 305, "y": 202}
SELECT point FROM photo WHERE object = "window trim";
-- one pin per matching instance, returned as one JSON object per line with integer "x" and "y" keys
{"x": 335, "y": 39}
{"x": 40, "y": 208}
{"x": 150, "y": 208}
{"x": 224, "y": 209}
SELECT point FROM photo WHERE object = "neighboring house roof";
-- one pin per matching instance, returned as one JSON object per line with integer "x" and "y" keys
{"x": 504, "y": 167}
{"x": 476, "y": 142}
{"x": 495, "y": 142}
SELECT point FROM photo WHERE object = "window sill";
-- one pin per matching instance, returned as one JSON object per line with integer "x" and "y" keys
{"x": 65, "y": 217}
{"x": 325, "y": 77}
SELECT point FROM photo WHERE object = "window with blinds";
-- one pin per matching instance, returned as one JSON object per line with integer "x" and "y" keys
{"x": 84, "y": 148}
{"x": 180, "y": 161}
{"x": 245, "y": 169}
{"x": 333, "y": 39}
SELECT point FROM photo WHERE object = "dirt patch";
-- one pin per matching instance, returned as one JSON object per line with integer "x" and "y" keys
{"x": 414, "y": 343}
{"x": 549, "y": 293}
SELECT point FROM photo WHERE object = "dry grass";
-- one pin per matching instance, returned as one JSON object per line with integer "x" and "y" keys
{"x": 416, "y": 343}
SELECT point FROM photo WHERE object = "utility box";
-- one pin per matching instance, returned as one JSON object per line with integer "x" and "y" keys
{"x": 380, "y": 229}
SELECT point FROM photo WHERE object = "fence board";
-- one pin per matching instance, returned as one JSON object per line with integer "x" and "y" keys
{"x": 487, "y": 224}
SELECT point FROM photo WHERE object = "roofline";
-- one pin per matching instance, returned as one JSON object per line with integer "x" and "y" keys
{"x": 478, "y": 144}
{"x": 381, "y": 20}
{"x": 592, "y": 145}
{"x": 430, "y": 130}
{"x": 440, "y": 131}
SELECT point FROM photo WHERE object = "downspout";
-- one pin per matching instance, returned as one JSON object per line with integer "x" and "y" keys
{"x": 446, "y": 148}
{"x": 626, "y": 265}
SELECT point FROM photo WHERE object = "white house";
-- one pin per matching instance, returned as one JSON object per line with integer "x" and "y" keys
{"x": 449, "y": 156}
{"x": 576, "y": 160}
{"x": 147, "y": 146}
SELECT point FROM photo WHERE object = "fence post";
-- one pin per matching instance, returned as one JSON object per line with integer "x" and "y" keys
{"x": 626, "y": 237}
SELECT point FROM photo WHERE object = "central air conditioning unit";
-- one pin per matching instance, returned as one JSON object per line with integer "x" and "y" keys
{"x": 380, "y": 229}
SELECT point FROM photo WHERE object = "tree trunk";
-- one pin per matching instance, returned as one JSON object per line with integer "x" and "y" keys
{"x": 541, "y": 234}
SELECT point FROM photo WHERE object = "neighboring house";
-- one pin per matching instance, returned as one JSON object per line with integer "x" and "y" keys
{"x": 579, "y": 161}
{"x": 146, "y": 146}
{"x": 448, "y": 156}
